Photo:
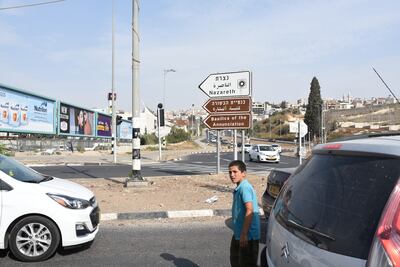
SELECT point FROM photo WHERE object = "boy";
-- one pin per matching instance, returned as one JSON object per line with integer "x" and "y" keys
{"x": 245, "y": 216}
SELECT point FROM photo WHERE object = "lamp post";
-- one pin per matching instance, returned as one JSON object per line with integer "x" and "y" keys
{"x": 165, "y": 74}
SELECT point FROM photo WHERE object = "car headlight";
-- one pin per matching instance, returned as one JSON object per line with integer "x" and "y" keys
{"x": 70, "y": 202}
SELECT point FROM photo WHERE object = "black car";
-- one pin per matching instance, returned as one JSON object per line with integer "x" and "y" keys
{"x": 275, "y": 181}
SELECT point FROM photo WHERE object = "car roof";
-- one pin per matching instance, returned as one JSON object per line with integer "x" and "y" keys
{"x": 287, "y": 170}
{"x": 380, "y": 144}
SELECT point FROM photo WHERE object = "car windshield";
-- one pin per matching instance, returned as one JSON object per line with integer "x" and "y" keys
{"x": 335, "y": 201}
{"x": 19, "y": 171}
{"x": 266, "y": 148}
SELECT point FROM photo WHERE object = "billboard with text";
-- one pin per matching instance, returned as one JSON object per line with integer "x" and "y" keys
{"x": 76, "y": 121}
{"x": 26, "y": 113}
{"x": 124, "y": 130}
{"x": 103, "y": 125}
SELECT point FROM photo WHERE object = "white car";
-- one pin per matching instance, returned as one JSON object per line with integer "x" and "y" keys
{"x": 277, "y": 147}
{"x": 264, "y": 153}
{"x": 38, "y": 212}
{"x": 247, "y": 148}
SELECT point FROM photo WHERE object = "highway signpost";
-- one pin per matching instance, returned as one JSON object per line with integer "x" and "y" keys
{"x": 301, "y": 129}
{"x": 229, "y": 106}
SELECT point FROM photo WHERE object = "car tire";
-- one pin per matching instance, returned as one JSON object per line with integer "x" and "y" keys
{"x": 45, "y": 239}
{"x": 258, "y": 159}
{"x": 250, "y": 158}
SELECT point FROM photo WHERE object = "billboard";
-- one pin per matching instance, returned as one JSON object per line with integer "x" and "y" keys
{"x": 103, "y": 125}
{"x": 124, "y": 130}
{"x": 76, "y": 121}
{"x": 22, "y": 112}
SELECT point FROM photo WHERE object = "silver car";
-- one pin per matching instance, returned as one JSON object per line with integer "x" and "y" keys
{"x": 340, "y": 208}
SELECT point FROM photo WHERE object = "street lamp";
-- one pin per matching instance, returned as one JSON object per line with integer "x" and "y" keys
{"x": 165, "y": 74}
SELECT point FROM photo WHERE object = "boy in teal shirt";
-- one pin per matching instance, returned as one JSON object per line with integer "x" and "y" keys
{"x": 246, "y": 219}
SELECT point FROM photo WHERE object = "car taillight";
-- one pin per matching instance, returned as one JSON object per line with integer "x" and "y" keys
{"x": 385, "y": 250}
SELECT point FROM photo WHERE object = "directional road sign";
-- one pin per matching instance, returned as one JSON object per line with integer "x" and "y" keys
{"x": 228, "y": 105}
{"x": 227, "y": 84}
{"x": 294, "y": 128}
{"x": 228, "y": 121}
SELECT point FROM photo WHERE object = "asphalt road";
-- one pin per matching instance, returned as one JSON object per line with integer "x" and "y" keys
{"x": 190, "y": 165}
{"x": 155, "y": 244}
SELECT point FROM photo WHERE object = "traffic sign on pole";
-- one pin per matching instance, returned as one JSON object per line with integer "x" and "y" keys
{"x": 228, "y": 121}
{"x": 228, "y": 105}
{"x": 227, "y": 84}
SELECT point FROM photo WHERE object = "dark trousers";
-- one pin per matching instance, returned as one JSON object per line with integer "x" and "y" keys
{"x": 244, "y": 257}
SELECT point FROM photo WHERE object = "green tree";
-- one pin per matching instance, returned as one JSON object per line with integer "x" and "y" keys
{"x": 177, "y": 135}
{"x": 313, "y": 113}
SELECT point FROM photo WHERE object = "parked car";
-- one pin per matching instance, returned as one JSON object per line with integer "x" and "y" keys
{"x": 275, "y": 181}
{"x": 340, "y": 208}
{"x": 277, "y": 147}
{"x": 264, "y": 153}
{"x": 40, "y": 212}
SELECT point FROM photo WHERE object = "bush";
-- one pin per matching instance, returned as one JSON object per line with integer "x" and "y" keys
{"x": 80, "y": 148}
{"x": 6, "y": 151}
{"x": 177, "y": 135}
{"x": 148, "y": 139}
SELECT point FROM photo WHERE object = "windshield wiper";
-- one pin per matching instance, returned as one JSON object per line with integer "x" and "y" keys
{"x": 310, "y": 230}
{"x": 46, "y": 178}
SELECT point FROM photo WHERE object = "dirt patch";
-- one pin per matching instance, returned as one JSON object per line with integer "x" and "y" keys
{"x": 168, "y": 193}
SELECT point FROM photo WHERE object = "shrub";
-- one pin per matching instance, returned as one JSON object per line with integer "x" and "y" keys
{"x": 177, "y": 135}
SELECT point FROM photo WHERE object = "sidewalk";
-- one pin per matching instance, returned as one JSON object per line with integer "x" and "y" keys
{"x": 165, "y": 197}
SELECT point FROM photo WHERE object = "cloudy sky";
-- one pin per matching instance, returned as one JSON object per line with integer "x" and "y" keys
{"x": 63, "y": 50}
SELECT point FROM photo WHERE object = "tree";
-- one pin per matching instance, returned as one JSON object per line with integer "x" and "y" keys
{"x": 314, "y": 107}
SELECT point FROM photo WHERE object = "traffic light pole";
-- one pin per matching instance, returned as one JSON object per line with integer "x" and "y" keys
{"x": 113, "y": 120}
{"x": 159, "y": 136}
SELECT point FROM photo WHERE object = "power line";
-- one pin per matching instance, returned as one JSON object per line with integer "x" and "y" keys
{"x": 36, "y": 4}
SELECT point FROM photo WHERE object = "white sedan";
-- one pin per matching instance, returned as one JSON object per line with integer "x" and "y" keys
{"x": 265, "y": 153}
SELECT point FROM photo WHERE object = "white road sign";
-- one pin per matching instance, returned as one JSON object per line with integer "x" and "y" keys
{"x": 294, "y": 128}
{"x": 227, "y": 84}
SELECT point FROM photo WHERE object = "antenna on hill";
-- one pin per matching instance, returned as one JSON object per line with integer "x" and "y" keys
{"x": 386, "y": 85}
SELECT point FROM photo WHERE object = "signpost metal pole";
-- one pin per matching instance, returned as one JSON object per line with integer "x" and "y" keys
{"x": 243, "y": 146}
{"x": 300, "y": 150}
{"x": 218, "y": 153}
{"x": 235, "y": 144}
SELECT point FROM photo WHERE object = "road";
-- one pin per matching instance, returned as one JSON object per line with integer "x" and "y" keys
{"x": 190, "y": 165}
{"x": 149, "y": 244}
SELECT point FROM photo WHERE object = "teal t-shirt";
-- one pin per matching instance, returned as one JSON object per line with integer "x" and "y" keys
{"x": 242, "y": 194}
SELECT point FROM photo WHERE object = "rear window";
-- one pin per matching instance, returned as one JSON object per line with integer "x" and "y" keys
{"x": 335, "y": 202}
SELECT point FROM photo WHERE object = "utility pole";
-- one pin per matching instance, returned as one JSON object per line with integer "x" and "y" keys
{"x": 136, "y": 177}
{"x": 113, "y": 119}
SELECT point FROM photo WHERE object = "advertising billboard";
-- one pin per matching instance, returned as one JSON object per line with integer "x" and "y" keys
{"x": 22, "y": 112}
{"x": 103, "y": 125}
{"x": 124, "y": 130}
{"x": 76, "y": 121}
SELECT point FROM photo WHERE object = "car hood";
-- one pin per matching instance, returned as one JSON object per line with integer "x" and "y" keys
{"x": 268, "y": 153}
{"x": 65, "y": 187}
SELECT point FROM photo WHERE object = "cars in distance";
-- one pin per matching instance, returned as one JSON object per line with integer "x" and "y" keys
{"x": 275, "y": 180}
{"x": 277, "y": 147}
{"x": 264, "y": 153}
{"x": 247, "y": 148}
{"x": 340, "y": 208}
{"x": 39, "y": 213}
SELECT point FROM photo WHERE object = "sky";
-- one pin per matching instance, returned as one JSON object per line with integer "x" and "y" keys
{"x": 64, "y": 50}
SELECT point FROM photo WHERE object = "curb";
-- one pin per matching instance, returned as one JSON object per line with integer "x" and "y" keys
{"x": 164, "y": 214}
{"x": 168, "y": 214}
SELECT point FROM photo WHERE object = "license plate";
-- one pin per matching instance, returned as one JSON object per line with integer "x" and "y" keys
{"x": 273, "y": 190}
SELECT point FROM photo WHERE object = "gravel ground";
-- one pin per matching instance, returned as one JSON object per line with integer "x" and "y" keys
{"x": 167, "y": 193}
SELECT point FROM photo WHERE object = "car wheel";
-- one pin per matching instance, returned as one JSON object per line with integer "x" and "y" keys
{"x": 250, "y": 158}
{"x": 258, "y": 159}
{"x": 34, "y": 238}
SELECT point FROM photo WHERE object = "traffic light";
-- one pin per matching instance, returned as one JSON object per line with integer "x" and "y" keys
{"x": 164, "y": 142}
{"x": 119, "y": 120}
{"x": 161, "y": 114}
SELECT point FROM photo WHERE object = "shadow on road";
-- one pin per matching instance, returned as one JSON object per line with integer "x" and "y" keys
{"x": 179, "y": 262}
